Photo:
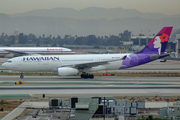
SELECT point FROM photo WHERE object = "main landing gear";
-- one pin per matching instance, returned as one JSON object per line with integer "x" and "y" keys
{"x": 21, "y": 76}
{"x": 85, "y": 76}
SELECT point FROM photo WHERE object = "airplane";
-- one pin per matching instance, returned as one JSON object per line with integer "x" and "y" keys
{"x": 69, "y": 65}
{"x": 9, "y": 52}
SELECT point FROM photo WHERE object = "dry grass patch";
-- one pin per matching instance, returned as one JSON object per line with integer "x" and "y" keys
{"x": 8, "y": 106}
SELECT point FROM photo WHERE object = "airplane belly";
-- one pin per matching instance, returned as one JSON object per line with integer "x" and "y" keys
{"x": 111, "y": 66}
{"x": 114, "y": 65}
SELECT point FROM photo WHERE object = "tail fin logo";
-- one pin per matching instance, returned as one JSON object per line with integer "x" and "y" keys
{"x": 164, "y": 37}
{"x": 158, "y": 44}
{"x": 159, "y": 40}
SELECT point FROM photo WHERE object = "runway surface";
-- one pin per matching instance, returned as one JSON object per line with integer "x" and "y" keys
{"x": 74, "y": 85}
{"x": 107, "y": 86}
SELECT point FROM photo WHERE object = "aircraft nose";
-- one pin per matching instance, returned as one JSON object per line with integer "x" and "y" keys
{"x": 4, "y": 65}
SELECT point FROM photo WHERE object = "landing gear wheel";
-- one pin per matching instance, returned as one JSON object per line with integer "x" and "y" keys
{"x": 82, "y": 75}
{"x": 85, "y": 76}
{"x": 91, "y": 76}
{"x": 21, "y": 76}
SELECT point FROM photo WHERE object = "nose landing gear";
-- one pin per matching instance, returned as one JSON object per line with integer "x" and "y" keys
{"x": 21, "y": 76}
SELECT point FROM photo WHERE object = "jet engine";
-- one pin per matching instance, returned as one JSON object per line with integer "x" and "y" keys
{"x": 66, "y": 71}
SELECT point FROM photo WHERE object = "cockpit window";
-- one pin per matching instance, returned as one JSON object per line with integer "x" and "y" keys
{"x": 9, "y": 61}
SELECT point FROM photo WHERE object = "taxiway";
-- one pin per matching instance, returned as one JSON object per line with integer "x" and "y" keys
{"x": 137, "y": 86}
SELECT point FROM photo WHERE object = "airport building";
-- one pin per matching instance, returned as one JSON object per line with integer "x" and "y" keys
{"x": 171, "y": 112}
{"x": 92, "y": 108}
{"x": 141, "y": 40}
{"x": 174, "y": 42}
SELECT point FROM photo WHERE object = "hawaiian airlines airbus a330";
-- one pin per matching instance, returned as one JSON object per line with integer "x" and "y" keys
{"x": 73, "y": 64}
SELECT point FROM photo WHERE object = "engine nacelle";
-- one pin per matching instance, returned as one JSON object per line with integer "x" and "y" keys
{"x": 66, "y": 71}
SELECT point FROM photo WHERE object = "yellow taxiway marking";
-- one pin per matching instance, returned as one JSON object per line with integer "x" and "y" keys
{"x": 32, "y": 95}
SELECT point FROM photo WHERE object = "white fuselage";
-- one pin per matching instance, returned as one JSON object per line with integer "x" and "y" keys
{"x": 51, "y": 63}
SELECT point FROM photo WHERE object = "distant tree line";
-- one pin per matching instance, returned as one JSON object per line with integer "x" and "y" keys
{"x": 92, "y": 40}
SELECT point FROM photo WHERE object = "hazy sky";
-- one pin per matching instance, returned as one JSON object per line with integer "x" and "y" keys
{"x": 167, "y": 7}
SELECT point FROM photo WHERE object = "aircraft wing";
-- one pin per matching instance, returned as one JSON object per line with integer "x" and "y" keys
{"x": 92, "y": 64}
{"x": 18, "y": 53}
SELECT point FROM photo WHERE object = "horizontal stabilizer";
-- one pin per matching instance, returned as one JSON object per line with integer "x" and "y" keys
{"x": 155, "y": 56}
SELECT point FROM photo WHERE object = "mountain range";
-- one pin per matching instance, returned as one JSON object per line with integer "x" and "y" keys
{"x": 97, "y": 21}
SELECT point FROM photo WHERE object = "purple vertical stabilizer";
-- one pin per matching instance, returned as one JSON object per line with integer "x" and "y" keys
{"x": 158, "y": 44}
{"x": 153, "y": 50}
